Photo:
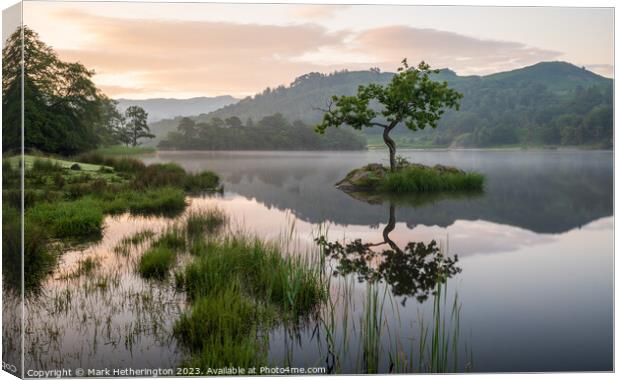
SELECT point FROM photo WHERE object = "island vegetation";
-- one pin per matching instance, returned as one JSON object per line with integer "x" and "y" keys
{"x": 415, "y": 100}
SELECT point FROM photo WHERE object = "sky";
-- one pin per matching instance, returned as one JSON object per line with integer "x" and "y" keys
{"x": 181, "y": 50}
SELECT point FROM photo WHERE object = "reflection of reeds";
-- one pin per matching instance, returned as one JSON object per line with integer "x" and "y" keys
{"x": 383, "y": 345}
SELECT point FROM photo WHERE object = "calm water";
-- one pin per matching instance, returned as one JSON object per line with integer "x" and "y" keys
{"x": 535, "y": 253}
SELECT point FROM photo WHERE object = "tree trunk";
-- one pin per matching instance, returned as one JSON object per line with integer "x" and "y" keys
{"x": 391, "y": 146}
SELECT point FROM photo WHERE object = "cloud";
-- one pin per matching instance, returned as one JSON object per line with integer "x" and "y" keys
{"x": 164, "y": 57}
{"x": 465, "y": 55}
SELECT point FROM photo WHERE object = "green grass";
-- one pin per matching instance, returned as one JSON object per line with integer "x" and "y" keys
{"x": 79, "y": 218}
{"x": 156, "y": 262}
{"x": 415, "y": 180}
{"x": 159, "y": 201}
{"x": 39, "y": 258}
{"x": 205, "y": 221}
{"x": 238, "y": 288}
{"x": 172, "y": 239}
{"x": 122, "y": 150}
{"x": 262, "y": 271}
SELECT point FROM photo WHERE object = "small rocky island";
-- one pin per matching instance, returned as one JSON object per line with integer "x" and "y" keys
{"x": 410, "y": 178}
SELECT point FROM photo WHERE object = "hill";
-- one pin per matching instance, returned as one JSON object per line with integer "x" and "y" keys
{"x": 549, "y": 103}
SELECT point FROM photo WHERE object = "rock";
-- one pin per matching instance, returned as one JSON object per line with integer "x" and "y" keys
{"x": 448, "y": 169}
{"x": 364, "y": 178}
{"x": 76, "y": 166}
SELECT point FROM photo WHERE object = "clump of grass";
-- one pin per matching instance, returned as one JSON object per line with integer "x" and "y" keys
{"x": 414, "y": 179}
{"x": 156, "y": 262}
{"x": 204, "y": 221}
{"x": 163, "y": 201}
{"x": 46, "y": 166}
{"x": 222, "y": 329}
{"x": 170, "y": 174}
{"x": 238, "y": 287}
{"x": 76, "y": 219}
{"x": 172, "y": 239}
{"x": 262, "y": 270}
{"x": 38, "y": 258}
{"x": 201, "y": 182}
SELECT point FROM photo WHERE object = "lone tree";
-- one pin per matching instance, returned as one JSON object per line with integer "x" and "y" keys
{"x": 411, "y": 97}
{"x": 136, "y": 126}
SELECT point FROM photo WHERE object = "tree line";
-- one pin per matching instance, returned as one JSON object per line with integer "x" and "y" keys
{"x": 272, "y": 132}
{"x": 64, "y": 112}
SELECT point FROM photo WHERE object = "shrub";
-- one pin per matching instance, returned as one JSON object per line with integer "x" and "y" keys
{"x": 156, "y": 262}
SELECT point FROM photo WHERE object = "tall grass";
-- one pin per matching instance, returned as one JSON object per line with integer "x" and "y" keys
{"x": 262, "y": 271}
{"x": 79, "y": 218}
{"x": 238, "y": 287}
{"x": 204, "y": 221}
{"x": 414, "y": 179}
{"x": 156, "y": 262}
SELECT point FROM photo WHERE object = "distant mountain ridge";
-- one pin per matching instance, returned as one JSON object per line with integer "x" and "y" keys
{"x": 166, "y": 108}
{"x": 314, "y": 89}
{"x": 549, "y": 103}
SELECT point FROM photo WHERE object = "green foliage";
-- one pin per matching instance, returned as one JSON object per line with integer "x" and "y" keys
{"x": 156, "y": 262}
{"x": 134, "y": 126}
{"x": 411, "y": 98}
{"x": 64, "y": 111}
{"x": 415, "y": 179}
{"x": 271, "y": 133}
{"x": 520, "y": 107}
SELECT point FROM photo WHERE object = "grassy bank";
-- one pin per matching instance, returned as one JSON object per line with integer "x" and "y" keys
{"x": 68, "y": 198}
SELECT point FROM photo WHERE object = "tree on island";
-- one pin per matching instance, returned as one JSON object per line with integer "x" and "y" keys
{"x": 411, "y": 97}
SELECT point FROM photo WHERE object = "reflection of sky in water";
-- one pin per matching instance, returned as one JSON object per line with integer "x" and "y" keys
{"x": 535, "y": 252}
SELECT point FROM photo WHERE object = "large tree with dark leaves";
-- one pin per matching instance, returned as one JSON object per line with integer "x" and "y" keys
{"x": 63, "y": 110}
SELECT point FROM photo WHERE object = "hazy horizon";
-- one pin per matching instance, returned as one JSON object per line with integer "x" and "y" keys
{"x": 187, "y": 50}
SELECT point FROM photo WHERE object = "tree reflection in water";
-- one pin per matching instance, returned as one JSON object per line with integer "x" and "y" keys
{"x": 414, "y": 271}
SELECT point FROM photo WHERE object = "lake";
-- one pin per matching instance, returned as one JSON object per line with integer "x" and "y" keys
{"x": 533, "y": 283}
